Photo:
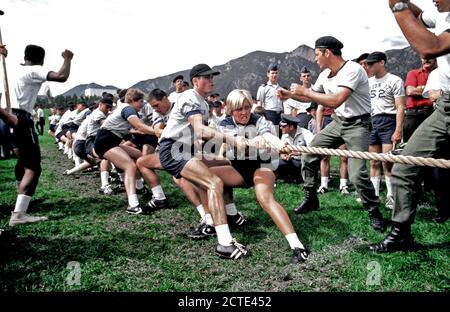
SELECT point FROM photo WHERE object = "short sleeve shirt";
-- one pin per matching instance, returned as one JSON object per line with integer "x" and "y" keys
{"x": 117, "y": 122}
{"x": 383, "y": 92}
{"x": 353, "y": 77}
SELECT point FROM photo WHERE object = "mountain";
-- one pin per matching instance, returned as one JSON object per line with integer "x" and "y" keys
{"x": 80, "y": 89}
{"x": 249, "y": 71}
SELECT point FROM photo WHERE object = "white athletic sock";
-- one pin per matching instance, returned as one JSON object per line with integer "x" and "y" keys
{"x": 388, "y": 181}
{"x": 201, "y": 211}
{"x": 139, "y": 184}
{"x": 324, "y": 181}
{"x": 293, "y": 241}
{"x": 208, "y": 219}
{"x": 77, "y": 160}
{"x": 133, "y": 200}
{"x": 104, "y": 178}
{"x": 22, "y": 203}
{"x": 231, "y": 209}
{"x": 376, "y": 184}
{"x": 60, "y": 146}
{"x": 66, "y": 149}
{"x": 224, "y": 235}
{"x": 158, "y": 192}
{"x": 342, "y": 182}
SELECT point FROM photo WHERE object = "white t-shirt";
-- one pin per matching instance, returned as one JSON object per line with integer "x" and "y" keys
{"x": 440, "y": 22}
{"x": 40, "y": 113}
{"x": 383, "y": 92}
{"x": 24, "y": 89}
{"x": 351, "y": 76}
{"x": 173, "y": 97}
{"x": 178, "y": 127}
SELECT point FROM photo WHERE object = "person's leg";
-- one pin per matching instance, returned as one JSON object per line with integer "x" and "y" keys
{"x": 343, "y": 173}
{"x": 387, "y": 166}
{"x": 356, "y": 136}
{"x": 199, "y": 174}
{"x": 264, "y": 180}
{"x": 28, "y": 171}
{"x": 121, "y": 159}
{"x": 375, "y": 169}
{"x": 324, "y": 174}
{"x": 429, "y": 140}
{"x": 329, "y": 137}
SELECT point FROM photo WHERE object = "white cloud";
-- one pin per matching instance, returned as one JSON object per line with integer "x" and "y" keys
{"x": 121, "y": 42}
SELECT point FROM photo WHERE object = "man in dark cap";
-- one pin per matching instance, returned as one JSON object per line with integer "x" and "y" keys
{"x": 24, "y": 91}
{"x": 387, "y": 94}
{"x": 177, "y": 149}
{"x": 342, "y": 85}
{"x": 267, "y": 96}
{"x": 290, "y": 166}
{"x": 178, "y": 83}
{"x": 361, "y": 60}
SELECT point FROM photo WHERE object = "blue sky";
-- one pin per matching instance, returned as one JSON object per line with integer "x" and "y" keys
{"x": 122, "y": 42}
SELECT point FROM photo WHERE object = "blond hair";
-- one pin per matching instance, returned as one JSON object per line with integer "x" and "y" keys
{"x": 133, "y": 95}
{"x": 236, "y": 99}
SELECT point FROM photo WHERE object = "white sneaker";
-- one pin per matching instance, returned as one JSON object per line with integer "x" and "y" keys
{"x": 390, "y": 202}
{"x": 344, "y": 190}
{"x": 322, "y": 190}
{"x": 23, "y": 217}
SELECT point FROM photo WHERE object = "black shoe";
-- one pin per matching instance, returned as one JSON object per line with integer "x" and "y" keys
{"x": 377, "y": 221}
{"x": 202, "y": 231}
{"x": 400, "y": 238}
{"x": 299, "y": 255}
{"x": 138, "y": 210}
{"x": 310, "y": 203}
{"x": 235, "y": 251}
{"x": 156, "y": 204}
{"x": 236, "y": 220}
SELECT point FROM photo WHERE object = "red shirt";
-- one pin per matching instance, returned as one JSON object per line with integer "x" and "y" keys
{"x": 415, "y": 78}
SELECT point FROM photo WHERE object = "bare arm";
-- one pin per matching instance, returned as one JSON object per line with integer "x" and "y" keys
{"x": 426, "y": 44}
{"x": 159, "y": 129}
{"x": 414, "y": 91}
{"x": 319, "y": 118}
{"x": 140, "y": 126}
{"x": 400, "y": 106}
{"x": 10, "y": 119}
{"x": 64, "y": 71}
{"x": 329, "y": 100}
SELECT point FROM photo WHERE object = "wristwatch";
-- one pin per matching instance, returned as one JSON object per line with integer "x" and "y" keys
{"x": 399, "y": 6}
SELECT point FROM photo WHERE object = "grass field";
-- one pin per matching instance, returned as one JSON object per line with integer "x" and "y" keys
{"x": 91, "y": 244}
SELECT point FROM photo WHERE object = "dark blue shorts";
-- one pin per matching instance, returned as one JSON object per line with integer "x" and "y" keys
{"x": 104, "y": 141}
{"x": 79, "y": 148}
{"x": 90, "y": 145}
{"x": 383, "y": 126}
{"x": 326, "y": 121}
{"x": 52, "y": 128}
{"x": 174, "y": 156}
{"x": 140, "y": 139}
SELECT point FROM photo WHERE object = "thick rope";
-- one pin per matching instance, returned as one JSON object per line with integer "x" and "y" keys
{"x": 408, "y": 160}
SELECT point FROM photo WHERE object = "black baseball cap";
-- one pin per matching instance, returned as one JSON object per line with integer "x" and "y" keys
{"x": 178, "y": 77}
{"x": 202, "y": 70}
{"x": 312, "y": 106}
{"x": 376, "y": 57}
